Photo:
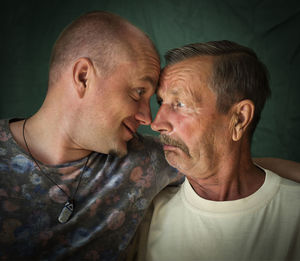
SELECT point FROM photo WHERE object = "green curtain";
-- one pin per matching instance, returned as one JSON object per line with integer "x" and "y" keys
{"x": 271, "y": 28}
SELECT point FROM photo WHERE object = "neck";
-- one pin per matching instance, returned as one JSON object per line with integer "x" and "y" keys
{"x": 48, "y": 138}
{"x": 233, "y": 178}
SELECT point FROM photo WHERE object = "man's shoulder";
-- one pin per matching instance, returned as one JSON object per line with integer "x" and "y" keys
{"x": 167, "y": 196}
{"x": 5, "y": 134}
{"x": 4, "y": 125}
{"x": 286, "y": 186}
{"x": 147, "y": 152}
{"x": 290, "y": 185}
{"x": 146, "y": 146}
{"x": 144, "y": 142}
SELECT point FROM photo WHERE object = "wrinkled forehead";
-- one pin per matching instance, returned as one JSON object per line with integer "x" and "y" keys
{"x": 187, "y": 76}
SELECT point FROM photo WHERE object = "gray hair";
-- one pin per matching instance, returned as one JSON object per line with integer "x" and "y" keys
{"x": 237, "y": 74}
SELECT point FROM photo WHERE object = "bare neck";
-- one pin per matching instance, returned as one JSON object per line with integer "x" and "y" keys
{"x": 234, "y": 177}
{"x": 48, "y": 137}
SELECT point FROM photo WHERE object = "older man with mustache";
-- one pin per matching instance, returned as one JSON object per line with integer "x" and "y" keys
{"x": 211, "y": 96}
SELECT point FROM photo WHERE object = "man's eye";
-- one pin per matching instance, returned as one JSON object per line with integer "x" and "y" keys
{"x": 140, "y": 91}
{"x": 137, "y": 93}
{"x": 179, "y": 104}
{"x": 159, "y": 101}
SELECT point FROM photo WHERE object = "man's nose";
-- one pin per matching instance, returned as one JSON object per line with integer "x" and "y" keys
{"x": 161, "y": 122}
{"x": 143, "y": 116}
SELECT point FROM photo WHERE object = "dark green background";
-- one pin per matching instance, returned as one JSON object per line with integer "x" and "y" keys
{"x": 271, "y": 28}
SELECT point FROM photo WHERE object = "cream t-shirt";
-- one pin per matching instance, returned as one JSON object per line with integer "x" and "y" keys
{"x": 262, "y": 226}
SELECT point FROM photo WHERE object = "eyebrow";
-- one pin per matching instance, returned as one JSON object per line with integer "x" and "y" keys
{"x": 173, "y": 92}
{"x": 178, "y": 92}
{"x": 150, "y": 80}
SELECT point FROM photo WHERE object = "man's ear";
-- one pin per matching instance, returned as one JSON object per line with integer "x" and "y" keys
{"x": 82, "y": 69}
{"x": 242, "y": 116}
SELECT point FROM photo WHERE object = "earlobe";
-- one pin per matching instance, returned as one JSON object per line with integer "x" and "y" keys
{"x": 242, "y": 117}
{"x": 81, "y": 71}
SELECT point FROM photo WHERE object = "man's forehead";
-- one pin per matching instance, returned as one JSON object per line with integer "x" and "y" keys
{"x": 171, "y": 90}
{"x": 142, "y": 73}
{"x": 175, "y": 78}
{"x": 191, "y": 65}
{"x": 147, "y": 69}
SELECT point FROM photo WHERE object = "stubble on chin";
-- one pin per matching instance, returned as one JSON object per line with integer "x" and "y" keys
{"x": 177, "y": 162}
{"x": 117, "y": 153}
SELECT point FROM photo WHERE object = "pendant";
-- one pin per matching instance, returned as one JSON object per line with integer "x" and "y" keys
{"x": 66, "y": 212}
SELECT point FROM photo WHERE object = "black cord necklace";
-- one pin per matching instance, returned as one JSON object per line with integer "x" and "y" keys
{"x": 68, "y": 208}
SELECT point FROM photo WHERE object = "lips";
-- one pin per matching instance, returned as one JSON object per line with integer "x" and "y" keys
{"x": 131, "y": 129}
{"x": 169, "y": 147}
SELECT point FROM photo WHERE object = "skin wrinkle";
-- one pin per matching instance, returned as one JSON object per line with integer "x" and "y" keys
{"x": 197, "y": 127}
{"x": 182, "y": 90}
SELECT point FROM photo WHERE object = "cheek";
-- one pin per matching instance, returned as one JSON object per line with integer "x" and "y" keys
{"x": 197, "y": 134}
{"x": 187, "y": 127}
{"x": 118, "y": 107}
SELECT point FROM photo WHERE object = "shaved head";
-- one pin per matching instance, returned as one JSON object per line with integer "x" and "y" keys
{"x": 104, "y": 38}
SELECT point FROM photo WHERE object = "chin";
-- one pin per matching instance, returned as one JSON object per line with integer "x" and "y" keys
{"x": 119, "y": 151}
{"x": 176, "y": 161}
{"x": 170, "y": 158}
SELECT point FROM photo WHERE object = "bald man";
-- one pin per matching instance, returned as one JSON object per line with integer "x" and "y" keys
{"x": 67, "y": 191}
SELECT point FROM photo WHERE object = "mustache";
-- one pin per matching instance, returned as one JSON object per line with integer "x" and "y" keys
{"x": 166, "y": 140}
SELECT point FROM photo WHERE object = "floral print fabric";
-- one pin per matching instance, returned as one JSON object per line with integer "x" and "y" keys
{"x": 112, "y": 198}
